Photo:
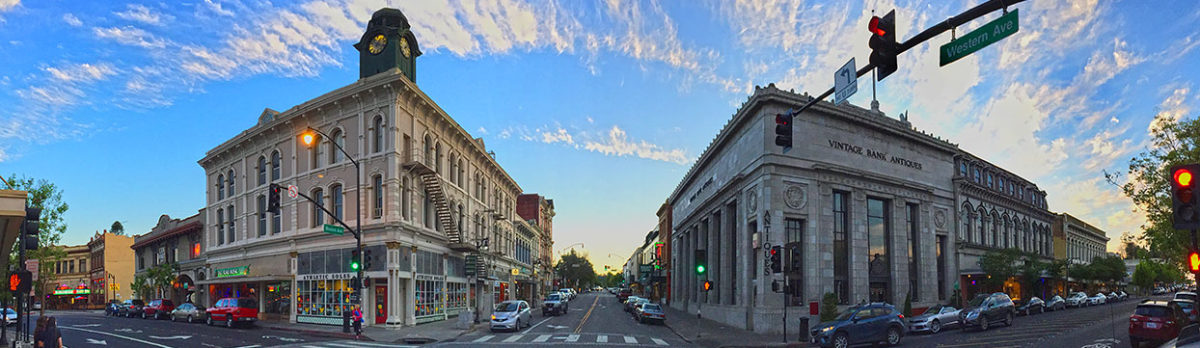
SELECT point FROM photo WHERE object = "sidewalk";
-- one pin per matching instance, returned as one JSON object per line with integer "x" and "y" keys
{"x": 709, "y": 333}
{"x": 439, "y": 331}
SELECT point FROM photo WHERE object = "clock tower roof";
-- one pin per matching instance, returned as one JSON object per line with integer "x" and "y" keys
{"x": 387, "y": 43}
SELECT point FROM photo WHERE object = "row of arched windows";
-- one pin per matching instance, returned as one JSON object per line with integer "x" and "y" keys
{"x": 1004, "y": 231}
{"x": 328, "y": 153}
{"x": 1000, "y": 182}
{"x": 1084, "y": 249}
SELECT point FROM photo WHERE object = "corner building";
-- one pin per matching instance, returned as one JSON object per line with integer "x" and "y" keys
{"x": 430, "y": 195}
{"x": 864, "y": 205}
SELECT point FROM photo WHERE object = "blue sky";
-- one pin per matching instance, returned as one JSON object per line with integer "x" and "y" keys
{"x": 602, "y": 106}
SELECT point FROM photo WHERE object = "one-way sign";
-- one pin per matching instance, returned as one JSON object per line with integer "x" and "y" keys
{"x": 845, "y": 82}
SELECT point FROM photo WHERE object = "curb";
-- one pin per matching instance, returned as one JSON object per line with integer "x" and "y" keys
{"x": 320, "y": 333}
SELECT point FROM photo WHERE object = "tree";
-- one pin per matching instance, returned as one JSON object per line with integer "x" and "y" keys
{"x": 829, "y": 307}
{"x": 45, "y": 195}
{"x": 1172, "y": 142}
{"x": 117, "y": 228}
{"x": 1000, "y": 265}
{"x": 1030, "y": 270}
{"x": 141, "y": 285}
{"x": 907, "y": 305}
{"x": 161, "y": 277}
{"x": 1131, "y": 249}
{"x": 576, "y": 270}
{"x": 1145, "y": 274}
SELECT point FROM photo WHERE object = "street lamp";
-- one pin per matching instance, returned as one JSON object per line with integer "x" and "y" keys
{"x": 310, "y": 138}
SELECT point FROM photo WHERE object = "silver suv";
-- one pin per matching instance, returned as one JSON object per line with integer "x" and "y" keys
{"x": 555, "y": 304}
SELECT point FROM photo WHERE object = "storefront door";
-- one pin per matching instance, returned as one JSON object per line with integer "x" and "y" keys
{"x": 380, "y": 304}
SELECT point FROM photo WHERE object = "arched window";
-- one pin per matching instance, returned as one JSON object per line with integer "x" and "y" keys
{"x": 262, "y": 215}
{"x": 453, "y": 169}
{"x": 232, "y": 224}
{"x": 339, "y": 142}
{"x": 462, "y": 172}
{"x": 314, "y": 155}
{"x": 318, "y": 216}
{"x": 220, "y": 226}
{"x": 220, "y": 186}
{"x": 377, "y": 189}
{"x": 262, "y": 170}
{"x": 275, "y": 163}
{"x": 335, "y": 196}
{"x": 981, "y": 235}
{"x": 378, "y": 133}
{"x": 996, "y": 224}
{"x": 277, "y": 222}
{"x": 229, "y": 187}
{"x": 462, "y": 215}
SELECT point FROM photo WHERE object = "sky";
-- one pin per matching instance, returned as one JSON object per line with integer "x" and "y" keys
{"x": 601, "y": 106}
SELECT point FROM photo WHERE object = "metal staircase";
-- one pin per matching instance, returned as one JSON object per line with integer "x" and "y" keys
{"x": 445, "y": 217}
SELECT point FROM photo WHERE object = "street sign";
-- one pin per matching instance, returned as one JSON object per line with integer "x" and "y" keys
{"x": 645, "y": 269}
{"x": 845, "y": 82}
{"x": 986, "y": 35}
{"x": 334, "y": 229}
{"x": 32, "y": 267}
{"x": 292, "y": 191}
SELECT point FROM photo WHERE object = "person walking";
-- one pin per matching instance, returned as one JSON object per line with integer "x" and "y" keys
{"x": 39, "y": 332}
{"x": 357, "y": 319}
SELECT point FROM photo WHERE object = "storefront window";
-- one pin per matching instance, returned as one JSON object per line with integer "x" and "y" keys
{"x": 429, "y": 297}
{"x": 456, "y": 300}
{"x": 278, "y": 297}
{"x": 321, "y": 298}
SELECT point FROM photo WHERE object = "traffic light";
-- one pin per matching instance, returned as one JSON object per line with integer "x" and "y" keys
{"x": 20, "y": 281}
{"x": 1194, "y": 262}
{"x": 776, "y": 261}
{"x": 701, "y": 258}
{"x": 367, "y": 259}
{"x": 355, "y": 261}
{"x": 783, "y": 130}
{"x": 273, "y": 198}
{"x": 708, "y": 285}
{"x": 30, "y": 228}
{"x": 1183, "y": 197}
{"x": 795, "y": 261}
{"x": 883, "y": 44}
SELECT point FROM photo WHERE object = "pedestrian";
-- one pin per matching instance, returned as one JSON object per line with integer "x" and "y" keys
{"x": 357, "y": 319}
{"x": 39, "y": 332}
{"x": 51, "y": 336}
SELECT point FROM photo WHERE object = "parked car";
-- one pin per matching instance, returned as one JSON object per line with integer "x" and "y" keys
{"x": 158, "y": 309}
{"x": 570, "y": 292}
{"x": 650, "y": 312}
{"x": 10, "y": 316}
{"x": 554, "y": 304}
{"x": 624, "y": 294}
{"x": 1188, "y": 307}
{"x": 984, "y": 310}
{"x": 1121, "y": 295}
{"x": 868, "y": 323}
{"x": 934, "y": 319}
{"x": 112, "y": 307}
{"x": 1155, "y": 321}
{"x": 1186, "y": 295}
{"x": 1056, "y": 303}
{"x": 1033, "y": 305}
{"x": 131, "y": 308}
{"x": 232, "y": 310}
{"x": 1098, "y": 299}
{"x": 629, "y": 301}
{"x": 1158, "y": 291}
{"x": 188, "y": 311}
{"x": 631, "y": 305}
{"x": 1111, "y": 297}
{"x": 511, "y": 315}
{"x": 1077, "y": 299}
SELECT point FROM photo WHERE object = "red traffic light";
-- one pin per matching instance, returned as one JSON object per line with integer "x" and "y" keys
{"x": 1183, "y": 177}
{"x": 873, "y": 26}
{"x": 708, "y": 285}
{"x": 774, "y": 251}
{"x": 14, "y": 282}
{"x": 1194, "y": 262}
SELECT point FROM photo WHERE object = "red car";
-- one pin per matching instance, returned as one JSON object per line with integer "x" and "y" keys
{"x": 1155, "y": 321}
{"x": 233, "y": 311}
{"x": 624, "y": 294}
{"x": 158, "y": 309}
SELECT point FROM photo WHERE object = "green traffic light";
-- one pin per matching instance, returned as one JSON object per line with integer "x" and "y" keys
{"x": 354, "y": 266}
{"x": 700, "y": 269}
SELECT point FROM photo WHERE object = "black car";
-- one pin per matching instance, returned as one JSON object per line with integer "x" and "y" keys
{"x": 1034, "y": 305}
{"x": 985, "y": 310}
{"x": 1056, "y": 303}
{"x": 131, "y": 308}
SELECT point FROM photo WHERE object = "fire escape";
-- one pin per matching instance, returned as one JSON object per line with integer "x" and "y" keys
{"x": 437, "y": 194}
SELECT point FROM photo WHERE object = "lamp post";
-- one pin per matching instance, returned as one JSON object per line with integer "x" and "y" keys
{"x": 310, "y": 138}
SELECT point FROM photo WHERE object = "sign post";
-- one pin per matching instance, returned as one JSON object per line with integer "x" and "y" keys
{"x": 845, "y": 82}
{"x": 986, "y": 35}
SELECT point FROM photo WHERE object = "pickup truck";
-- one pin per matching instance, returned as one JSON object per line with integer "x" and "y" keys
{"x": 555, "y": 304}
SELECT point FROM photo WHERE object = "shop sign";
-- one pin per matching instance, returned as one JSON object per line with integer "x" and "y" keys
{"x": 72, "y": 292}
{"x": 516, "y": 271}
{"x": 430, "y": 277}
{"x": 327, "y": 276}
{"x": 232, "y": 272}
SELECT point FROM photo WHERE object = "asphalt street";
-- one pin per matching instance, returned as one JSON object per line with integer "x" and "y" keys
{"x": 592, "y": 319}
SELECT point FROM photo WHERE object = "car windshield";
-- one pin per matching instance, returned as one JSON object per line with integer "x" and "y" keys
{"x": 849, "y": 313}
{"x": 651, "y": 307}
{"x": 1186, "y": 296}
{"x": 978, "y": 300}
{"x": 507, "y": 307}
{"x": 934, "y": 310}
{"x": 554, "y": 297}
{"x": 1184, "y": 304}
{"x": 1152, "y": 311}
{"x": 10, "y": 311}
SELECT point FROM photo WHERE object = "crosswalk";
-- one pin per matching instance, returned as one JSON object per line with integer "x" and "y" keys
{"x": 351, "y": 344}
{"x": 615, "y": 339}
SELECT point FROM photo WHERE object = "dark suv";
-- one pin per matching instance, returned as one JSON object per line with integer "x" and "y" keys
{"x": 984, "y": 310}
{"x": 869, "y": 323}
{"x": 131, "y": 308}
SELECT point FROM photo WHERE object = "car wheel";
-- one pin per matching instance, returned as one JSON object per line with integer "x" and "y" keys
{"x": 841, "y": 341}
{"x": 1008, "y": 321}
{"x": 229, "y": 321}
{"x": 893, "y": 336}
{"x": 935, "y": 326}
{"x": 518, "y": 326}
{"x": 983, "y": 322}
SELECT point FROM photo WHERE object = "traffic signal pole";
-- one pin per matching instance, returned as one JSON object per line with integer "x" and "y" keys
{"x": 937, "y": 29}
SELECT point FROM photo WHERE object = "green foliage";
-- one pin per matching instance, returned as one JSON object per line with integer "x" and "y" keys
{"x": 907, "y": 305}
{"x": 1000, "y": 265}
{"x": 828, "y": 307}
{"x": 576, "y": 270}
{"x": 1145, "y": 273}
{"x": 45, "y": 195}
{"x": 1108, "y": 268}
{"x": 1147, "y": 184}
{"x": 141, "y": 286}
{"x": 117, "y": 228}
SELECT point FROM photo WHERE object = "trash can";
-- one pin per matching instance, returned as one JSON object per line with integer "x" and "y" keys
{"x": 803, "y": 329}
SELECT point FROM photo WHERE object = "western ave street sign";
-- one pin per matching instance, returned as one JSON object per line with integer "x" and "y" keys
{"x": 986, "y": 35}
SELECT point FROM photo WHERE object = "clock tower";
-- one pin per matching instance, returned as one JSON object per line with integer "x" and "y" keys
{"x": 388, "y": 43}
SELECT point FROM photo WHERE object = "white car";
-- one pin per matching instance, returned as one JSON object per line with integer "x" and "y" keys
{"x": 1077, "y": 299}
{"x": 1186, "y": 295}
{"x": 1098, "y": 299}
{"x": 511, "y": 315}
{"x": 10, "y": 316}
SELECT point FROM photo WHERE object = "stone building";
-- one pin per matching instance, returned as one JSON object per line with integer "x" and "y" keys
{"x": 864, "y": 206}
{"x": 431, "y": 194}
{"x": 178, "y": 242}
{"x": 68, "y": 286}
{"x": 112, "y": 266}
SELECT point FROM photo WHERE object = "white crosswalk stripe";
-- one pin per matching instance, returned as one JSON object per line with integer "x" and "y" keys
{"x": 513, "y": 338}
{"x": 630, "y": 340}
{"x": 484, "y": 338}
{"x": 572, "y": 338}
{"x": 542, "y": 338}
{"x": 659, "y": 341}
{"x": 602, "y": 339}
{"x": 353, "y": 344}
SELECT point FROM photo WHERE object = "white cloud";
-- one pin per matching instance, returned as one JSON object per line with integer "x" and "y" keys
{"x": 141, "y": 13}
{"x": 71, "y": 20}
{"x": 1173, "y": 108}
{"x": 618, "y": 144}
{"x": 483, "y": 130}
{"x": 6, "y": 5}
{"x": 557, "y": 136}
{"x": 3, "y": 155}
{"x": 1104, "y": 149}
{"x": 216, "y": 8}
{"x": 131, "y": 36}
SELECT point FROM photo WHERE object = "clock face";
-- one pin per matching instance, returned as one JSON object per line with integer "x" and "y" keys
{"x": 404, "y": 48}
{"x": 377, "y": 44}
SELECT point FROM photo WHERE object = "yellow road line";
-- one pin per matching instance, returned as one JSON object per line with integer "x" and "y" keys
{"x": 588, "y": 315}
